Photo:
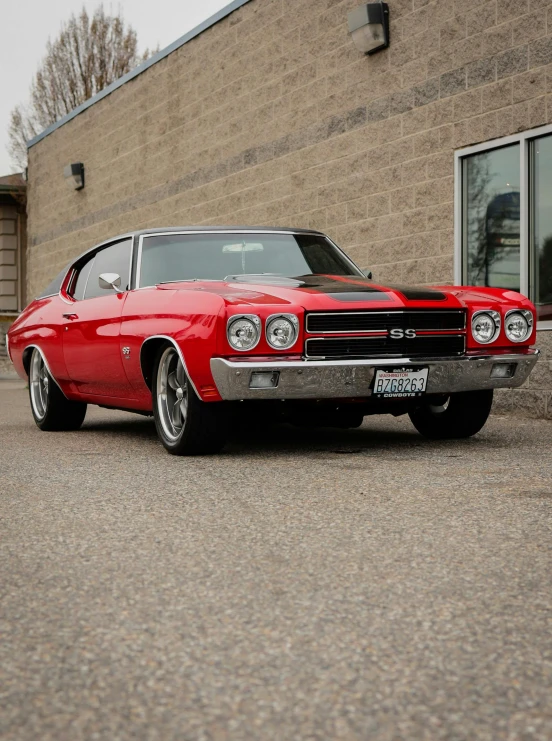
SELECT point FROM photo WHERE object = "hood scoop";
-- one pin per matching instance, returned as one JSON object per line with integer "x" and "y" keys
{"x": 266, "y": 279}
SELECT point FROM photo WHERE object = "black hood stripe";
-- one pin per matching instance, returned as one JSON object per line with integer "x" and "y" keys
{"x": 340, "y": 286}
{"x": 419, "y": 294}
{"x": 349, "y": 288}
{"x": 343, "y": 288}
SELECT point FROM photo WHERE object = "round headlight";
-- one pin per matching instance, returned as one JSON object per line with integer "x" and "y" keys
{"x": 244, "y": 332}
{"x": 282, "y": 331}
{"x": 485, "y": 326}
{"x": 519, "y": 325}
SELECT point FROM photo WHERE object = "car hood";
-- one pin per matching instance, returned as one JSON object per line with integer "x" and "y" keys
{"x": 325, "y": 292}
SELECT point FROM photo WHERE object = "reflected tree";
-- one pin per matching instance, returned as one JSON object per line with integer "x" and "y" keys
{"x": 492, "y": 224}
{"x": 544, "y": 294}
{"x": 493, "y": 220}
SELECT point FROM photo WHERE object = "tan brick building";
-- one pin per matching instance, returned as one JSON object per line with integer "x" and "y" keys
{"x": 12, "y": 258}
{"x": 269, "y": 115}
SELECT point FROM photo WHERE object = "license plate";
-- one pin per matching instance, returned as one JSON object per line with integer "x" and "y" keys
{"x": 400, "y": 383}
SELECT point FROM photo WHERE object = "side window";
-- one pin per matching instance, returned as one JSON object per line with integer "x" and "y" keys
{"x": 112, "y": 259}
{"x": 82, "y": 279}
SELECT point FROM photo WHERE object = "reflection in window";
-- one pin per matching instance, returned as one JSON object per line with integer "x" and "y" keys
{"x": 112, "y": 259}
{"x": 542, "y": 226}
{"x": 492, "y": 218}
{"x": 217, "y": 256}
{"x": 82, "y": 280}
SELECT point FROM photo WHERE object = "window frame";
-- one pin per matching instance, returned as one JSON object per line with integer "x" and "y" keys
{"x": 91, "y": 256}
{"x": 75, "y": 277}
{"x": 524, "y": 139}
{"x": 247, "y": 230}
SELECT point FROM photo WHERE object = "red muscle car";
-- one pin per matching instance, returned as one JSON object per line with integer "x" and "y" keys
{"x": 191, "y": 324}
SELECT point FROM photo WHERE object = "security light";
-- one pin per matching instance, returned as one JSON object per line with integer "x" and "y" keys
{"x": 74, "y": 175}
{"x": 369, "y": 27}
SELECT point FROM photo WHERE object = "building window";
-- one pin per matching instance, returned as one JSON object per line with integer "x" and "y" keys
{"x": 503, "y": 217}
{"x": 541, "y": 225}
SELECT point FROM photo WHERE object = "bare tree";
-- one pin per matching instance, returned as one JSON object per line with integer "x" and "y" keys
{"x": 88, "y": 55}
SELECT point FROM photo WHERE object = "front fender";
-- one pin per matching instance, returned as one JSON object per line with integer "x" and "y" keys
{"x": 190, "y": 319}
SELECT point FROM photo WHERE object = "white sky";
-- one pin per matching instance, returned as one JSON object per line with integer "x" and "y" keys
{"x": 27, "y": 24}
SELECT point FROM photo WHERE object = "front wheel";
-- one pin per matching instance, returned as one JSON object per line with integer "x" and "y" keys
{"x": 185, "y": 424}
{"x": 52, "y": 411}
{"x": 454, "y": 417}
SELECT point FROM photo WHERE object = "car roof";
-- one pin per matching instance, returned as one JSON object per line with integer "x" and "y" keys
{"x": 55, "y": 285}
{"x": 198, "y": 229}
{"x": 273, "y": 229}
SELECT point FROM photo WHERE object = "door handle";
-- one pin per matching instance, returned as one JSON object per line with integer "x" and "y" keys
{"x": 70, "y": 316}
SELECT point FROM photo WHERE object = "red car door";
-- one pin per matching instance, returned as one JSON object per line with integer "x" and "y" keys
{"x": 91, "y": 336}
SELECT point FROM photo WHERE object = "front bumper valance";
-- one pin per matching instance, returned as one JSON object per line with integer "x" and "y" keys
{"x": 348, "y": 379}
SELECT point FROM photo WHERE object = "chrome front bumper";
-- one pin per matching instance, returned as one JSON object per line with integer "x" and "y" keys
{"x": 348, "y": 379}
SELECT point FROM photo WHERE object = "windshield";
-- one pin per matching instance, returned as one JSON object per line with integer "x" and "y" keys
{"x": 178, "y": 257}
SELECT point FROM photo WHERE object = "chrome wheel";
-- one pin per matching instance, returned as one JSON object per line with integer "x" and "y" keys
{"x": 172, "y": 394}
{"x": 39, "y": 382}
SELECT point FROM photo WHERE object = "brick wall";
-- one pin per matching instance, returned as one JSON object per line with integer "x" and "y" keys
{"x": 273, "y": 117}
{"x": 534, "y": 399}
{"x": 9, "y": 275}
{"x": 8, "y": 258}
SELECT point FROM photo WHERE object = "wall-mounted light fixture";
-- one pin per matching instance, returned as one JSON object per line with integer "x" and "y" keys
{"x": 369, "y": 27}
{"x": 74, "y": 175}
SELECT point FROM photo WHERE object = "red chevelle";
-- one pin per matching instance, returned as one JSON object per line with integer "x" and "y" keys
{"x": 189, "y": 324}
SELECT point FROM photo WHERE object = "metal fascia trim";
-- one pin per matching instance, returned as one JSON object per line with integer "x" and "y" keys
{"x": 298, "y": 364}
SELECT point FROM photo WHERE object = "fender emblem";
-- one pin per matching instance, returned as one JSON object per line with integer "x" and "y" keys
{"x": 126, "y": 352}
{"x": 399, "y": 334}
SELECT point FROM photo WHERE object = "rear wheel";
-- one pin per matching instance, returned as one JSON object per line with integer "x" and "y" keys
{"x": 52, "y": 411}
{"x": 185, "y": 424}
{"x": 454, "y": 417}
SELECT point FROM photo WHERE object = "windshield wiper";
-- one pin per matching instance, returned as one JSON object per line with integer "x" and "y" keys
{"x": 252, "y": 275}
{"x": 189, "y": 280}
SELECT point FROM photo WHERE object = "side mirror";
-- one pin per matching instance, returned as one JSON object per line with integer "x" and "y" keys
{"x": 368, "y": 273}
{"x": 109, "y": 281}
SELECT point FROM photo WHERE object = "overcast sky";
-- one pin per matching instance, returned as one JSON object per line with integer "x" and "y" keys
{"x": 27, "y": 24}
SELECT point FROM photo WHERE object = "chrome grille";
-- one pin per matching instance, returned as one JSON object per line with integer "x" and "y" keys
{"x": 339, "y": 322}
{"x": 426, "y": 346}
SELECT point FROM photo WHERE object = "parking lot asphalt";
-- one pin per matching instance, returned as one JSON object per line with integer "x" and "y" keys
{"x": 304, "y": 584}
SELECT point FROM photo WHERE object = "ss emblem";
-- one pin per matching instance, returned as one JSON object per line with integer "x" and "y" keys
{"x": 399, "y": 334}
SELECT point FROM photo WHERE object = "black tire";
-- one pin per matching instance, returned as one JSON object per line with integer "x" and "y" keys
{"x": 185, "y": 424}
{"x": 461, "y": 415}
{"x": 51, "y": 410}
